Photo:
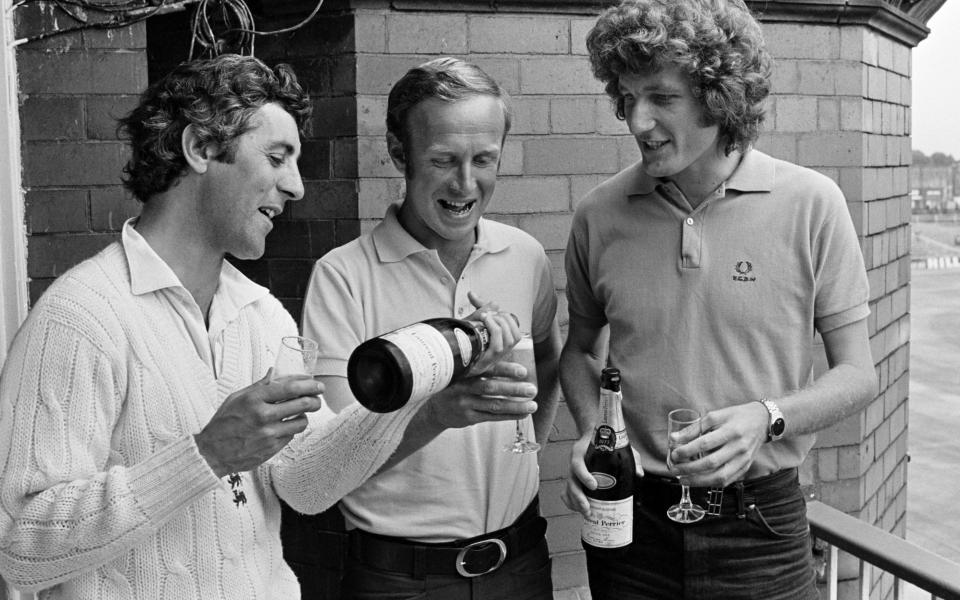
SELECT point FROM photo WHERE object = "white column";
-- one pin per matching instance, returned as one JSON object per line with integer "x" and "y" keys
{"x": 13, "y": 261}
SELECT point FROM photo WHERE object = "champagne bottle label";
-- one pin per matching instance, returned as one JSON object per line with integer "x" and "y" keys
{"x": 431, "y": 361}
{"x": 610, "y": 524}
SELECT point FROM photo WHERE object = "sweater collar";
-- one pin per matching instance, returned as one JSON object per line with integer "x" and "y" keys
{"x": 149, "y": 273}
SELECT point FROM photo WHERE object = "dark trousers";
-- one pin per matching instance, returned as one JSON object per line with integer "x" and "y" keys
{"x": 380, "y": 568}
{"x": 757, "y": 548}
{"x": 315, "y": 547}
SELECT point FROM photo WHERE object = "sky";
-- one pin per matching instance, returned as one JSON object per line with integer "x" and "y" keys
{"x": 936, "y": 84}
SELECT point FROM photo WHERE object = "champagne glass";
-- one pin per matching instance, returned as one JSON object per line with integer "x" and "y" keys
{"x": 686, "y": 422}
{"x": 296, "y": 358}
{"x": 523, "y": 353}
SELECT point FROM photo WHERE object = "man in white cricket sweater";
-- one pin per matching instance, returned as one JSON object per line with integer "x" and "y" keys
{"x": 136, "y": 407}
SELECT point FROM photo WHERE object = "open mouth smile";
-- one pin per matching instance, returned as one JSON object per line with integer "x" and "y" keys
{"x": 653, "y": 145}
{"x": 457, "y": 208}
{"x": 270, "y": 212}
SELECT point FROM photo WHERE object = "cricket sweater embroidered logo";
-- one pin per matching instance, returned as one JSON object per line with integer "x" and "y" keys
{"x": 743, "y": 271}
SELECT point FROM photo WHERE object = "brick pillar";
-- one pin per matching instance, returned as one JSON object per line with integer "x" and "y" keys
{"x": 841, "y": 105}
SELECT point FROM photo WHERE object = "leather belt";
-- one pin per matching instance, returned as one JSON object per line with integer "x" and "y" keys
{"x": 658, "y": 492}
{"x": 467, "y": 558}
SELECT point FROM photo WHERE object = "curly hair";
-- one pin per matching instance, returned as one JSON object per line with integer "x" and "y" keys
{"x": 446, "y": 78}
{"x": 217, "y": 97}
{"x": 717, "y": 44}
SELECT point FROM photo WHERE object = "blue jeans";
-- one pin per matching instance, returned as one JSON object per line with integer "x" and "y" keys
{"x": 525, "y": 577}
{"x": 758, "y": 548}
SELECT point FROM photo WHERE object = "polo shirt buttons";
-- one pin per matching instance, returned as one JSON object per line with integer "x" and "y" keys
{"x": 460, "y": 311}
{"x": 690, "y": 221}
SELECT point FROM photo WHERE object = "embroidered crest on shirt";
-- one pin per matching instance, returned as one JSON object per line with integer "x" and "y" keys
{"x": 743, "y": 271}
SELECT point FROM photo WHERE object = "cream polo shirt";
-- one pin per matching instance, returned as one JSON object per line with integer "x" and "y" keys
{"x": 461, "y": 484}
{"x": 718, "y": 305}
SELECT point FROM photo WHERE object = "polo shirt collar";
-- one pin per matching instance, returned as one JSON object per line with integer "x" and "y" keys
{"x": 149, "y": 273}
{"x": 394, "y": 243}
{"x": 755, "y": 173}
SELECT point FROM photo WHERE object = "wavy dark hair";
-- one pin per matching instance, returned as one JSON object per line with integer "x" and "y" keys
{"x": 217, "y": 97}
{"x": 446, "y": 78}
{"x": 716, "y": 43}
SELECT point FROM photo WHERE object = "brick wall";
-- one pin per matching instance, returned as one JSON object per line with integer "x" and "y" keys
{"x": 71, "y": 88}
{"x": 841, "y": 104}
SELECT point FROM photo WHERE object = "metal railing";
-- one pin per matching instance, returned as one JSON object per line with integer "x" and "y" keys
{"x": 874, "y": 546}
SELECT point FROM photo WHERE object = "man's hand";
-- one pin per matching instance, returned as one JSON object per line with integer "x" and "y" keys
{"x": 500, "y": 394}
{"x": 580, "y": 478}
{"x": 503, "y": 330}
{"x": 254, "y": 423}
{"x": 726, "y": 448}
{"x": 573, "y": 496}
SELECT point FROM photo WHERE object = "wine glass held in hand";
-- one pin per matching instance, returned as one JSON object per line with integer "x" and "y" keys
{"x": 683, "y": 426}
{"x": 523, "y": 354}
{"x": 296, "y": 358}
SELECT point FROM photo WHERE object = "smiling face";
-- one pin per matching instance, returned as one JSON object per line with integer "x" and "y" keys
{"x": 667, "y": 122}
{"x": 450, "y": 163}
{"x": 240, "y": 199}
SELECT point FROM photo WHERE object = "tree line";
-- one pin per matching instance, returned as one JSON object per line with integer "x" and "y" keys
{"x": 937, "y": 159}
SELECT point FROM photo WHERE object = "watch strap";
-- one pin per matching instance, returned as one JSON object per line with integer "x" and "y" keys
{"x": 776, "y": 423}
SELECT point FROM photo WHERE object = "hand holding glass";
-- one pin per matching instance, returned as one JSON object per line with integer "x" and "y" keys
{"x": 522, "y": 353}
{"x": 683, "y": 426}
{"x": 296, "y": 358}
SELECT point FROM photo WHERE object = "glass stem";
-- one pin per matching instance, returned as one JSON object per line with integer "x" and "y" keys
{"x": 685, "y": 496}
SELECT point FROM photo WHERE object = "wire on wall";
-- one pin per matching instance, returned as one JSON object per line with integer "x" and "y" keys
{"x": 217, "y": 26}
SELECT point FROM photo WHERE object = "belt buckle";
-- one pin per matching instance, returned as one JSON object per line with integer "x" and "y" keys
{"x": 462, "y": 556}
{"x": 714, "y": 501}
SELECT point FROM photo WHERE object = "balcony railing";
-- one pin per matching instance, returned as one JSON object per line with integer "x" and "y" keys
{"x": 882, "y": 550}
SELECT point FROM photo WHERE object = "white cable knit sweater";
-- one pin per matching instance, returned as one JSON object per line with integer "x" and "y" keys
{"x": 103, "y": 493}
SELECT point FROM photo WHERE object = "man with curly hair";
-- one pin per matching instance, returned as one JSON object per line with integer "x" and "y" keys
{"x": 137, "y": 410}
{"x": 704, "y": 272}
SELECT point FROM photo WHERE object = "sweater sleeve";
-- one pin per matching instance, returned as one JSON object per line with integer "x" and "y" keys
{"x": 336, "y": 454}
{"x": 68, "y": 503}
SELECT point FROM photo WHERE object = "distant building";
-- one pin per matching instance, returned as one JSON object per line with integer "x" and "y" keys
{"x": 934, "y": 188}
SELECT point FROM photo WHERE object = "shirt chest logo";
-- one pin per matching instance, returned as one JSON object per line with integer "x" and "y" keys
{"x": 743, "y": 271}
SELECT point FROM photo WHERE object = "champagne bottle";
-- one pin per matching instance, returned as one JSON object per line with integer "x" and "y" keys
{"x": 413, "y": 362}
{"x": 610, "y": 460}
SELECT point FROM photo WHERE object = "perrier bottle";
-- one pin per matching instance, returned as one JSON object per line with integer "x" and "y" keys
{"x": 610, "y": 460}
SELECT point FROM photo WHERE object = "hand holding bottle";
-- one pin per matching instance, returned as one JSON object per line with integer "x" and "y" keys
{"x": 500, "y": 394}
{"x": 420, "y": 360}
{"x": 503, "y": 332}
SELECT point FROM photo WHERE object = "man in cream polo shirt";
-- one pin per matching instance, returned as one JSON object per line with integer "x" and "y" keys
{"x": 452, "y": 515}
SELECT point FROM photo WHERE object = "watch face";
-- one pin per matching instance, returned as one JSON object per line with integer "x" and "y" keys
{"x": 776, "y": 428}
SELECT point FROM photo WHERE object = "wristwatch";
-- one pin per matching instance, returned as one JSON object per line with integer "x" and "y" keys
{"x": 776, "y": 425}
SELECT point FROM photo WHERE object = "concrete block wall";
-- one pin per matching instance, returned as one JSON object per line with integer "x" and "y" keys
{"x": 841, "y": 105}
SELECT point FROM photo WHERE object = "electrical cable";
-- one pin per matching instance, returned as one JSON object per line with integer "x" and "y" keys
{"x": 235, "y": 18}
